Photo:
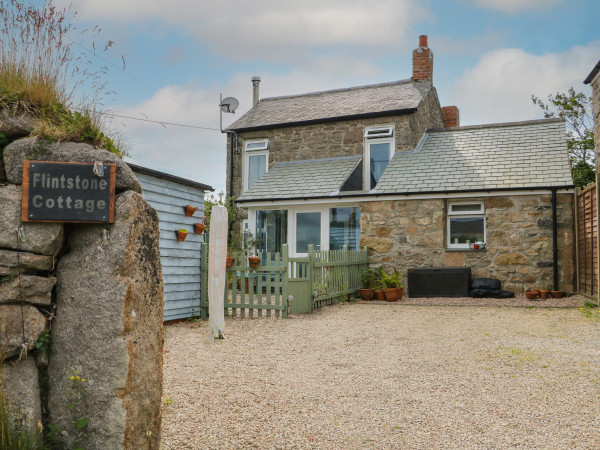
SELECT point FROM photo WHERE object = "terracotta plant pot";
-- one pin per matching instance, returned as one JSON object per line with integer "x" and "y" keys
{"x": 199, "y": 228}
{"x": 190, "y": 210}
{"x": 557, "y": 294}
{"x": 400, "y": 292}
{"x": 391, "y": 294}
{"x": 181, "y": 235}
{"x": 253, "y": 261}
{"x": 366, "y": 294}
{"x": 229, "y": 261}
{"x": 532, "y": 295}
{"x": 544, "y": 293}
{"x": 379, "y": 295}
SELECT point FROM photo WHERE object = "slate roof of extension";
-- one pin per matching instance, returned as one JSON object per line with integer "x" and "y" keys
{"x": 520, "y": 155}
{"x": 315, "y": 107}
{"x": 303, "y": 179}
{"x": 499, "y": 156}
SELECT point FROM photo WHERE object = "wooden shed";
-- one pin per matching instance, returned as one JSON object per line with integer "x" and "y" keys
{"x": 169, "y": 195}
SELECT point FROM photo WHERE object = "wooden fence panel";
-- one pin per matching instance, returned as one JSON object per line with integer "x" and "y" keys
{"x": 587, "y": 241}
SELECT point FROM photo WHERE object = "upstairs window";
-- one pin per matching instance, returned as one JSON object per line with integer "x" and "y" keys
{"x": 256, "y": 161}
{"x": 466, "y": 224}
{"x": 259, "y": 144}
{"x": 379, "y": 149}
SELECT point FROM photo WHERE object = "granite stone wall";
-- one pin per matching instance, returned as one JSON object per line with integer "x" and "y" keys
{"x": 408, "y": 234}
{"x": 74, "y": 307}
{"x": 343, "y": 138}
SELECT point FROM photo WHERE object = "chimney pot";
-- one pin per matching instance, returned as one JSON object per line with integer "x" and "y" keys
{"x": 255, "y": 96}
{"x": 422, "y": 61}
{"x": 451, "y": 116}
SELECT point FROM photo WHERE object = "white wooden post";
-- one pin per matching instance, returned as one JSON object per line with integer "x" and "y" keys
{"x": 217, "y": 252}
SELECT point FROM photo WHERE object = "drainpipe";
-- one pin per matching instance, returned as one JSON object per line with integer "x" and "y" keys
{"x": 231, "y": 137}
{"x": 554, "y": 240}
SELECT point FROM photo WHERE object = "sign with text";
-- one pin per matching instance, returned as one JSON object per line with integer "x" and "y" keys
{"x": 68, "y": 192}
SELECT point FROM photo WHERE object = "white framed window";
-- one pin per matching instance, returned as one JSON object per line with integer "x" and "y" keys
{"x": 256, "y": 161}
{"x": 256, "y": 144}
{"x": 379, "y": 149}
{"x": 466, "y": 224}
{"x": 377, "y": 132}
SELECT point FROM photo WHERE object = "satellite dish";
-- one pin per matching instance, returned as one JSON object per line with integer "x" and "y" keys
{"x": 229, "y": 104}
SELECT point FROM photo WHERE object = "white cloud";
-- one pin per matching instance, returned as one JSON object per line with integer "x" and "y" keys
{"x": 499, "y": 87}
{"x": 270, "y": 29}
{"x": 516, "y": 6}
{"x": 198, "y": 154}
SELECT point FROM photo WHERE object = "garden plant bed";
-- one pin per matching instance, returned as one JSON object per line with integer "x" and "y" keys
{"x": 360, "y": 375}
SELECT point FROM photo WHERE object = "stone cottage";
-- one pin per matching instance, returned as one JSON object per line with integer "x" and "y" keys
{"x": 385, "y": 166}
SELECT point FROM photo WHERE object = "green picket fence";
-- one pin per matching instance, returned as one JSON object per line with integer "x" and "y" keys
{"x": 281, "y": 285}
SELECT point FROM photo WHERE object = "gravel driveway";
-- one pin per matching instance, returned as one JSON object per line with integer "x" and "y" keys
{"x": 386, "y": 376}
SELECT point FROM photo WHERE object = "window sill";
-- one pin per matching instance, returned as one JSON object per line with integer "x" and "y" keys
{"x": 466, "y": 250}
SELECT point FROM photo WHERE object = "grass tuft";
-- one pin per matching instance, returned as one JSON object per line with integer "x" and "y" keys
{"x": 41, "y": 74}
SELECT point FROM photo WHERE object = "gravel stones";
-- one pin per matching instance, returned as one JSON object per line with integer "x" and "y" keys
{"x": 386, "y": 376}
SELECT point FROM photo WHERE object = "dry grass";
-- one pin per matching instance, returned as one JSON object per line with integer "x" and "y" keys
{"x": 42, "y": 75}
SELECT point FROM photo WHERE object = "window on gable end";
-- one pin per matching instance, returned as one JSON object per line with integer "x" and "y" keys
{"x": 256, "y": 161}
{"x": 379, "y": 149}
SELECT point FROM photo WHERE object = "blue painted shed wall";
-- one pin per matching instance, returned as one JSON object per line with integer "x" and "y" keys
{"x": 180, "y": 260}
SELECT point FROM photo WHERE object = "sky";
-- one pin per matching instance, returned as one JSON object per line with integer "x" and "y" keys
{"x": 170, "y": 60}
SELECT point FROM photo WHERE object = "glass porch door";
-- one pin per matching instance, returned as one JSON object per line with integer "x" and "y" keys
{"x": 308, "y": 230}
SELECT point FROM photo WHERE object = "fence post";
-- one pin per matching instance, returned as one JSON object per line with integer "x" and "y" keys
{"x": 310, "y": 274}
{"x": 203, "y": 280}
{"x": 285, "y": 261}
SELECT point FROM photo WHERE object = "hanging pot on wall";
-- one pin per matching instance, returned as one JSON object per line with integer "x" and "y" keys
{"x": 190, "y": 210}
{"x": 253, "y": 261}
{"x": 199, "y": 228}
{"x": 181, "y": 234}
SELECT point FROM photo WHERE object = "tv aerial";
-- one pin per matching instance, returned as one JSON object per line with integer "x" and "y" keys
{"x": 227, "y": 105}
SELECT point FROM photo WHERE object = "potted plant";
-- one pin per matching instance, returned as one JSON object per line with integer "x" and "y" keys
{"x": 250, "y": 245}
{"x": 557, "y": 294}
{"x": 190, "y": 210}
{"x": 369, "y": 279}
{"x": 392, "y": 284}
{"x": 545, "y": 293}
{"x": 181, "y": 234}
{"x": 532, "y": 294}
{"x": 200, "y": 227}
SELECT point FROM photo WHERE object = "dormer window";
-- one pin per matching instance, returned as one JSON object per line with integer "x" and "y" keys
{"x": 256, "y": 161}
{"x": 379, "y": 149}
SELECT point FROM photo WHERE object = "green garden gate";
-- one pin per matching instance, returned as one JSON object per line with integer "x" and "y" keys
{"x": 282, "y": 285}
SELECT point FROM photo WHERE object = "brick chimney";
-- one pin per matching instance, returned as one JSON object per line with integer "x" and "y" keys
{"x": 451, "y": 116}
{"x": 422, "y": 61}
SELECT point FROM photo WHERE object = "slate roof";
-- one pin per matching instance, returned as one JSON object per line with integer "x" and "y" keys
{"x": 361, "y": 101}
{"x": 499, "y": 156}
{"x": 519, "y": 155}
{"x": 302, "y": 179}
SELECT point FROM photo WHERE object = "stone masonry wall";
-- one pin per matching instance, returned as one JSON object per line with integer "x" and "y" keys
{"x": 408, "y": 234}
{"x": 343, "y": 138}
{"x": 101, "y": 304}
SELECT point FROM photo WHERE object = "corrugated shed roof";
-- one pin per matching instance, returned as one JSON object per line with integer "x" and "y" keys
{"x": 314, "y": 107}
{"x": 498, "y": 156}
{"x": 302, "y": 179}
